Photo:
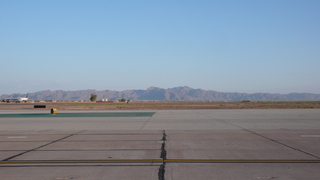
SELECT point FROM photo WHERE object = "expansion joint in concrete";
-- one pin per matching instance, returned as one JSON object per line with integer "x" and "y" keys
{"x": 270, "y": 139}
{"x": 296, "y": 149}
{"x": 7, "y": 159}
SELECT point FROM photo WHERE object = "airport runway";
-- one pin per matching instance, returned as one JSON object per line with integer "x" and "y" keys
{"x": 162, "y": 144}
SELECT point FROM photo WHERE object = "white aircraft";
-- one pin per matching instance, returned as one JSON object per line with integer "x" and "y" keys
{"x": 17, "y": 100}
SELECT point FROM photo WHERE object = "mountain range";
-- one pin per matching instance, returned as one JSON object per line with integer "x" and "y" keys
{"x": 182, "y": 93}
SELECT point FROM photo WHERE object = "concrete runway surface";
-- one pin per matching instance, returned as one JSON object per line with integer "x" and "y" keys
{"x": 169, "y": 144}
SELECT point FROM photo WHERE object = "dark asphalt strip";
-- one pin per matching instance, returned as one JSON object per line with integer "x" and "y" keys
{"x": 89, "y": 114}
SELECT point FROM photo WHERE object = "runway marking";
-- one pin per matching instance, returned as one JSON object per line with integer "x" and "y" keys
{"x": 17, "y": 137}
{"x": 159, "y": 161}
{"x": 310, "y": 135}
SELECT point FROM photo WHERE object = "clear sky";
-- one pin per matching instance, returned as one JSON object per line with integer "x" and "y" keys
{"x": 249, "y": 46}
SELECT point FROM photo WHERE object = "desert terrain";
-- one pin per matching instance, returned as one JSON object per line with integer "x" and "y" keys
{"x": 160, "y": 105}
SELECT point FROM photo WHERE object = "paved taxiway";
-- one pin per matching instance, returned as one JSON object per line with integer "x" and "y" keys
{"x": 170, "y": 144}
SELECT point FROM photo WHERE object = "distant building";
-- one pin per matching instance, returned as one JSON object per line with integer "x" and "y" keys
{"x": 104, "y": 101}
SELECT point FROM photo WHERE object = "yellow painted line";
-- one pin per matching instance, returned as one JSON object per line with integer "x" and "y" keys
{"x": 239, "y": 161}
{"x": 160, "y": 161}
{"x": 83, "y": 161}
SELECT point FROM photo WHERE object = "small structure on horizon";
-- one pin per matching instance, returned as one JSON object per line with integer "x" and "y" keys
{"x": 104, "y": 101}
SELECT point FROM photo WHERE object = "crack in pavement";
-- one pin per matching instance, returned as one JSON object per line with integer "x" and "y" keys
{"x": 146, "y": 122}
{"x": 163, "y": 156}
{"x": 265, "y": 137}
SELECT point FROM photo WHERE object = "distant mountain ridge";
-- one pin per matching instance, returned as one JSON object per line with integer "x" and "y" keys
{"x": 182, "y": 93}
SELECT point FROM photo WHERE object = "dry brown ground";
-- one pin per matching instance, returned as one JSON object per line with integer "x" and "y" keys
{"x": 161, "y": 105}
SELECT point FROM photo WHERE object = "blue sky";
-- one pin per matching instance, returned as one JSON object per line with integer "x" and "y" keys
{"x": 231, "y": 46}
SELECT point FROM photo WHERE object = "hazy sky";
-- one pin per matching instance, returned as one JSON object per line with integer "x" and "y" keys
{"x": 231, "y": 46}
